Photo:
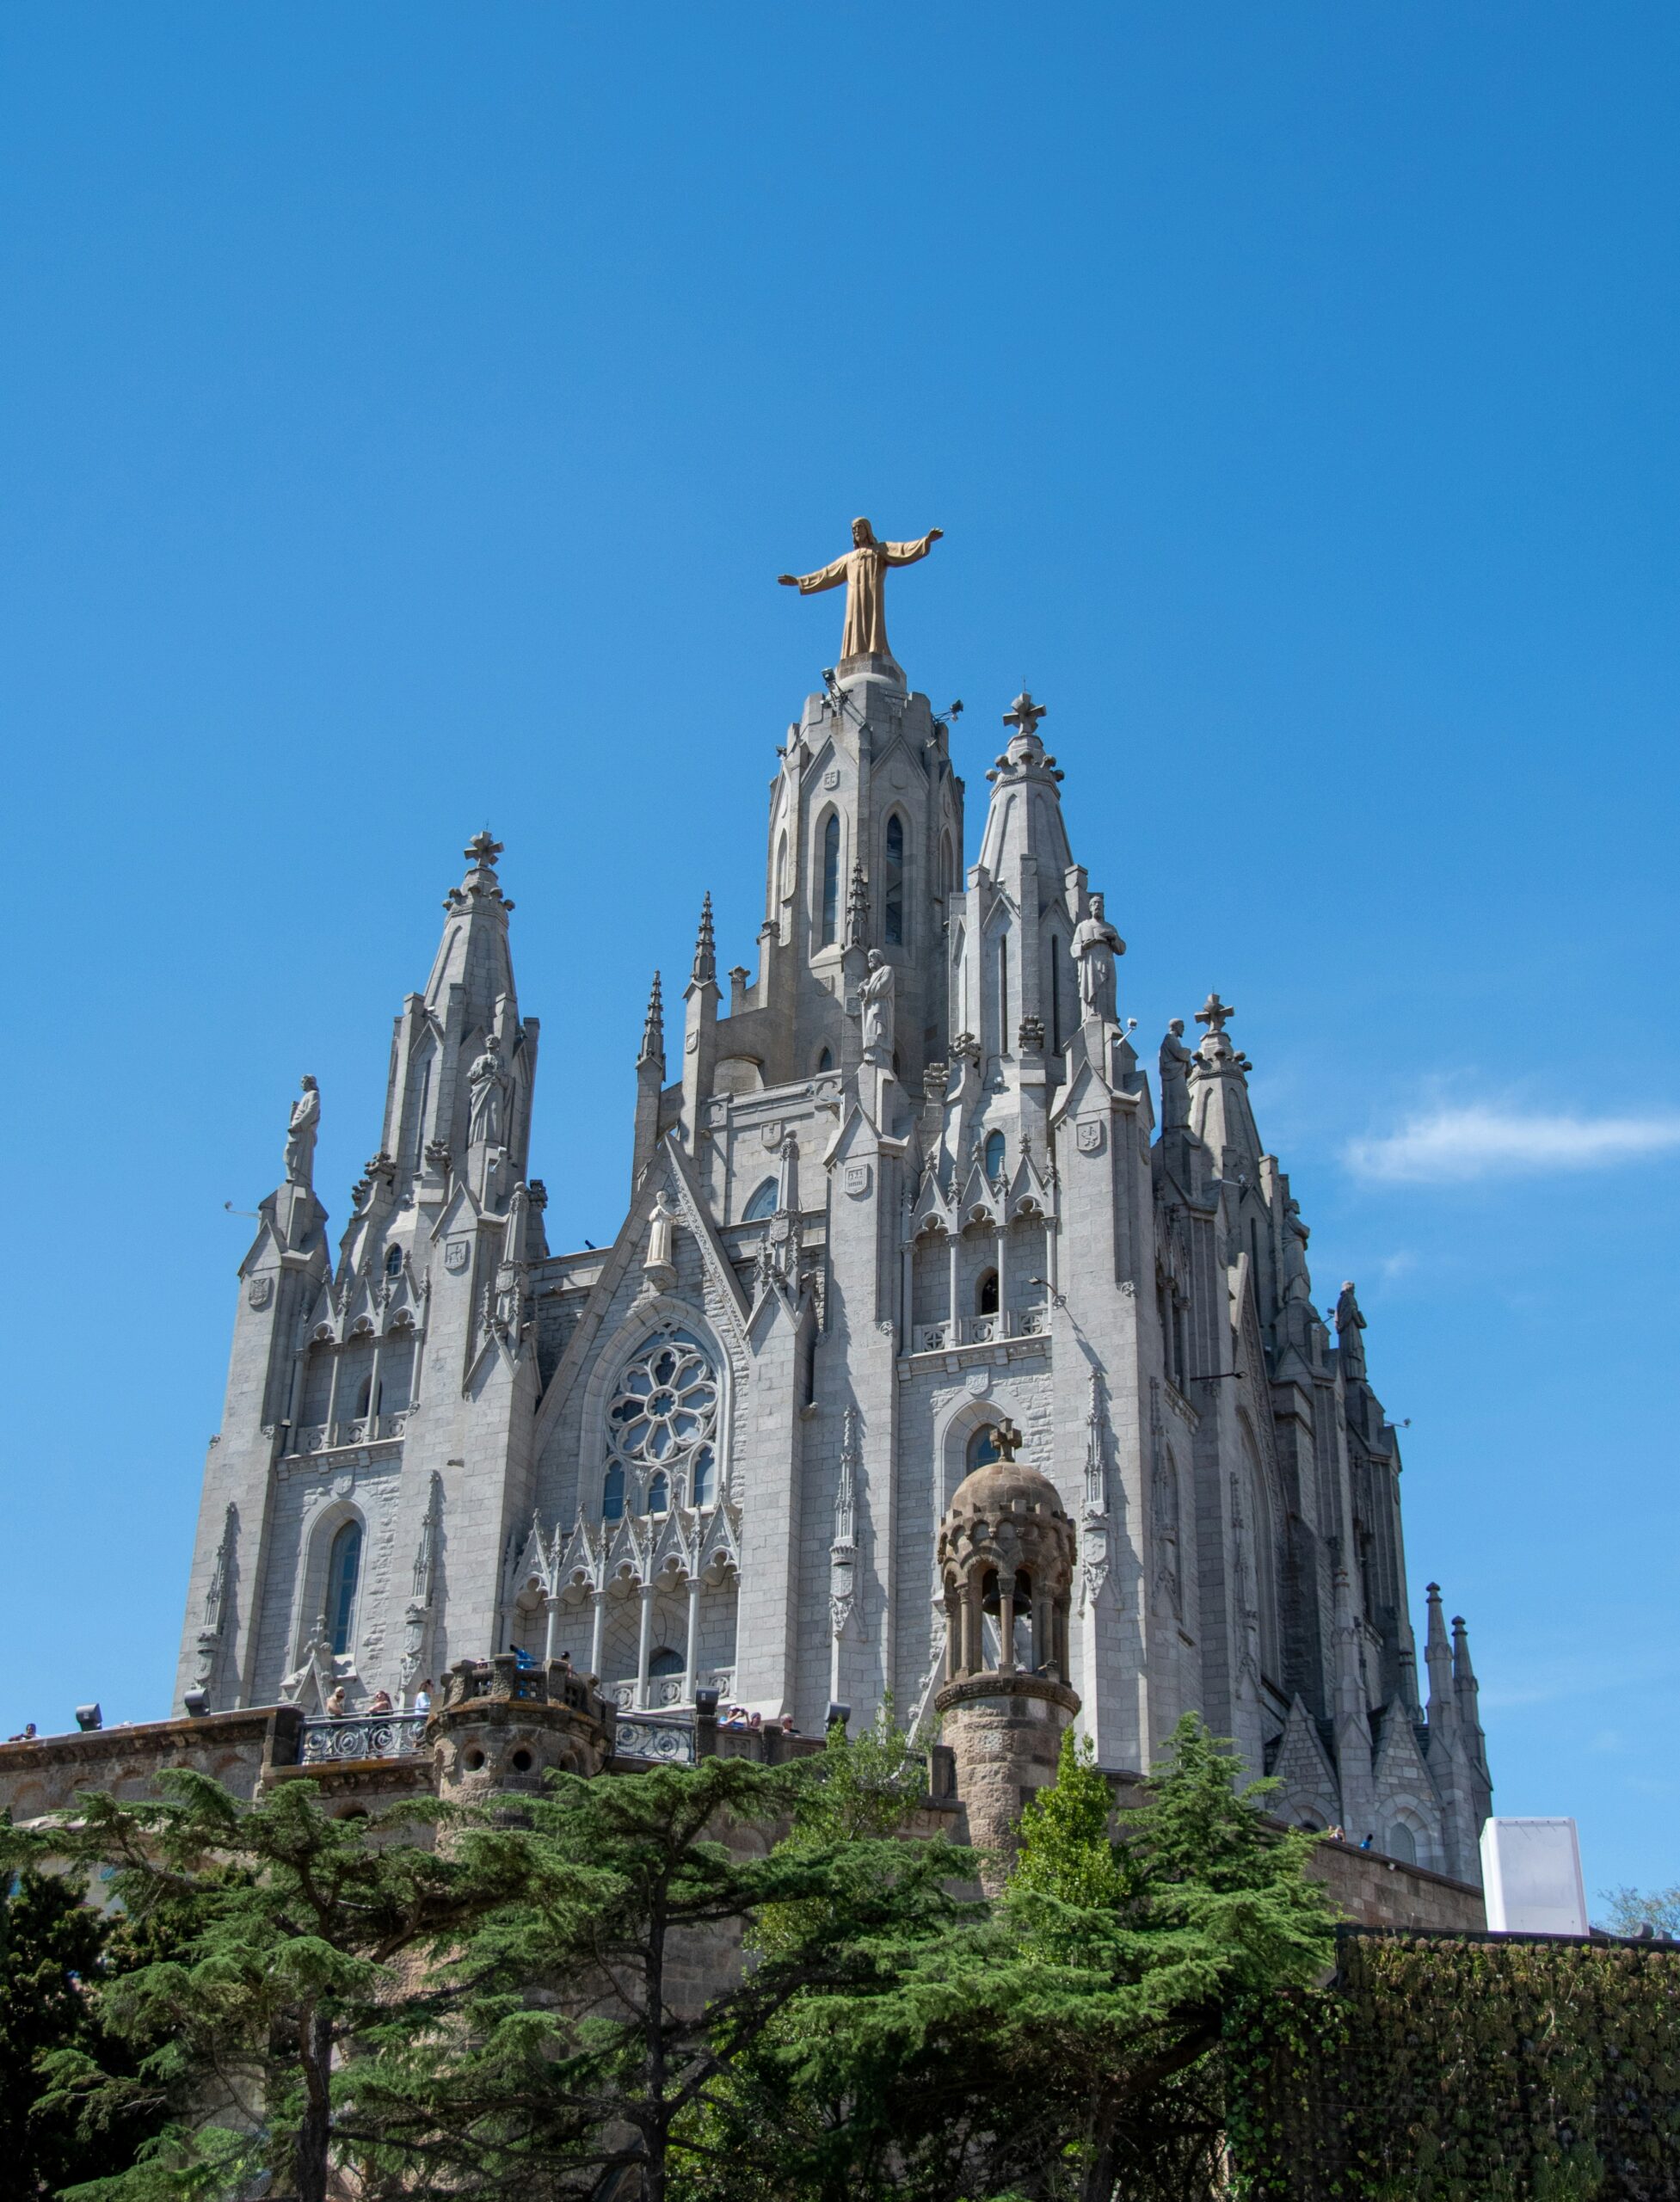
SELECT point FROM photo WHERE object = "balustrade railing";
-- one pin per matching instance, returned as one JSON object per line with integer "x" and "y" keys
{"x": 667, "y": 1690}
{"x": 365, "y": 1429}
{"x": 981, "y": 1329}
{"x": 379, "y": 1735}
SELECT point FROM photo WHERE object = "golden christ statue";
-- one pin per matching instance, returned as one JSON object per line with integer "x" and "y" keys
{"x": 864, "y": 571}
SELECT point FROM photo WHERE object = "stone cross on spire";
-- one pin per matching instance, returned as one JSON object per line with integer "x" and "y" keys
{"x": 1023, "y": 714}
{"x": 1008, "y": 1439}
{"x": 1214, "y": 1014}
{"x": 483, "y": 850}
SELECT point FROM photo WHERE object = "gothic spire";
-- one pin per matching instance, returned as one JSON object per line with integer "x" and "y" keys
{"x": 1438, "y": 1658}
{"x": 653, "y": 1029}
{"x": 1219, "y": 1113}
{"x": 705, "y": 948}
{"x": 473, "y": 952}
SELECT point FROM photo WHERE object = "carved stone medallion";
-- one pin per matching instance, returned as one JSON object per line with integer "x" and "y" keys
{"x": 455, "y": 1256}
{"x": 857, "y": 1179}
{"x": 771, "y": 1133}
{"x": 259, "y": 1291}
{"x": 1090, "y": 1137}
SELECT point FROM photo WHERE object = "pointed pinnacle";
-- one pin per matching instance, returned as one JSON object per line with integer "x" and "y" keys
{"x": 706, "y": 948}
{"x": 653, "y": 1026}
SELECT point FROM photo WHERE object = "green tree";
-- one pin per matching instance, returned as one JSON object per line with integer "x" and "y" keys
{"x": 56, "y": 1950}
{"x": 283, "y": 1936}
{"x": 605, "y": 2015}
{"x": 1632, "y": 1909}
{"x": 1065, "y": 2040}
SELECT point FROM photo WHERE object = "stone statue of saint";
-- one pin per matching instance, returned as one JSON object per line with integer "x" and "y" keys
{"x": 876, "y": 996}
{"x": 864, "y": 571}
{"x": 1175, "y": 1062}
{"x": 1349, "y": 1324}
{"x": 661, "y": 1265}
{"x": 1094, "y": 946}
{"x": 300, "y": 1133}
{"x": 487, "y": 1120}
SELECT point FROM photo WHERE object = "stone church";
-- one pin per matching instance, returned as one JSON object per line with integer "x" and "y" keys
{"x": 903, "y": 1200}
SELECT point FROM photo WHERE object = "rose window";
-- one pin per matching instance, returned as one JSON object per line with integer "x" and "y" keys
{"x": 662, "y": 1424}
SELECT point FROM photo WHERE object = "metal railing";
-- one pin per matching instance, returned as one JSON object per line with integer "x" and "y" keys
{"x": 665, "y": 1742}
{"x": 382, "y": 1735}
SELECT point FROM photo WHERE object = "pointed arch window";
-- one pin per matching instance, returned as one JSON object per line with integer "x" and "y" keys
{"x": 613, "y": 1495}
{"x": 659, "y": 1494}
{"x": 343, "y": 1574}
{"x": 763, "y": 1203}
{"x": 828, "y": 924}
{"x": 986, "y": 1293}
{"x": 826, "y": 1060}
{"x": 892, "y": 899}
{"x": 982, "y": 1449}
{"x": 703, "y": 1478}
{"x": 1001, "y": 987}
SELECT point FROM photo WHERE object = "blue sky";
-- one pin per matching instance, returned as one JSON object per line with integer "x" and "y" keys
{"x": 408, "y": 411}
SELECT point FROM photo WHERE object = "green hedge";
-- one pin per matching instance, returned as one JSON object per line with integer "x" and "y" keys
{"x": 1464, "y": 2070}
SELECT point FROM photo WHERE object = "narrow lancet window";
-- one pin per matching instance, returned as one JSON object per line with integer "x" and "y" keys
{"x": 892, "y": 906}
{"x": 343, "y": 1573}
{"x": 829, "y": 928}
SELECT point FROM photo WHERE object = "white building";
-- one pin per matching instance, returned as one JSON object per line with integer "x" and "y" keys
{"x": 871, "y": 1217}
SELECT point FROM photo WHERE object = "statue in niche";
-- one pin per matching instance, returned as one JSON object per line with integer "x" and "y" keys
{"x": 875, "y": 995}
{"x": 1175, "y": 1062}
{"x": 487, "y": 1120}
{"x": 1095, "y": 944}
{"x": 300, "y": 1136}
{"x": 863, "y": 571}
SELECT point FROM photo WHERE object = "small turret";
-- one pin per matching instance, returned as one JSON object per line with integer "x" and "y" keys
{"x": 1006, "y": 1559}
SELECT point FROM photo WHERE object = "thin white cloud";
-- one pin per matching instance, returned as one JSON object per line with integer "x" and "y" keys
{"x": 1447, "y": 1145}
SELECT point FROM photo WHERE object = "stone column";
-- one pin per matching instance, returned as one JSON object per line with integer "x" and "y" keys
{"x": 643, "y": 1646}
{"x": 597, "y": 1629}
{"x": 694, "y": 1646}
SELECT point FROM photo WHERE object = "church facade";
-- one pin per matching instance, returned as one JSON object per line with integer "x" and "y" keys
{"x": 903, "y": 1185}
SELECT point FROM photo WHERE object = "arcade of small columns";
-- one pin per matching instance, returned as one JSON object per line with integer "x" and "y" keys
{"x": 676, "y": 1584}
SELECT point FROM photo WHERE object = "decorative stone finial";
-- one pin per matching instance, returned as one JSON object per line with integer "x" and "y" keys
{"x": 1215, "y": 1013}
{"x": 1024, "y": 715}
{"x": 653, "y": 1027}
{"x": 857, "y": 906}
{"x": 1008, "y": 1439}
{"x": 706, "y": 948}
{"x": 482, "y": 850}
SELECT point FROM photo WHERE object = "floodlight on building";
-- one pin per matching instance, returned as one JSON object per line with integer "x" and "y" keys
{"x": 840, "y": 1716}
{"x": 197, "y": 1702}
{"x": 88, "y": 1718}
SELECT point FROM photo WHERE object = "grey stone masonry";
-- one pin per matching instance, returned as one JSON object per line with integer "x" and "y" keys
{"x": 909, "y": 1180}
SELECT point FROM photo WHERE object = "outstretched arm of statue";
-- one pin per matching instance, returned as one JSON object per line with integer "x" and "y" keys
{"x": 906, "y": 554}
{"x": 810, "y": 584}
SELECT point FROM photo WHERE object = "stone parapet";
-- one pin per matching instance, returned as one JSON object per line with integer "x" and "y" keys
{"x": 48, "y": 1772}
